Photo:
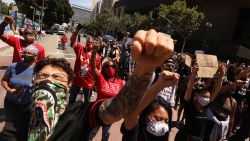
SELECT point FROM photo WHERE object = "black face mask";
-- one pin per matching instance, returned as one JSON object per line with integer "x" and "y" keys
{"x": 27, "y": 58}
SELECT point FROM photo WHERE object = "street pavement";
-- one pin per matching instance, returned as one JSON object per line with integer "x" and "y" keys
{"x": 50, "y": 43}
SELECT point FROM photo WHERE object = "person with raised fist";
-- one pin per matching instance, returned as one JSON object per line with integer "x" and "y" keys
{"x": 20, "y": 43}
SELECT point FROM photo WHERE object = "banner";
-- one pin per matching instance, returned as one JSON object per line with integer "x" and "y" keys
{"x": 188, "y": 60}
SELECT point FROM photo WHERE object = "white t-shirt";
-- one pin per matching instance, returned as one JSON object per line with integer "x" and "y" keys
{"x": 168, "y": 94}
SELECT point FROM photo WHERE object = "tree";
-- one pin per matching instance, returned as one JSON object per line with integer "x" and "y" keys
{"x": 56, "y": 11}
{"x": 107, "y": 22}
{"x": 186, "y": 19}
{"x": 132, "y": 22}
{"x": 4, "y": 8}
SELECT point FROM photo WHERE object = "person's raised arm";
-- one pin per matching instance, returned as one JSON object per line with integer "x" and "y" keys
{"x": 242, "y": 74}
{"x": 13, "y": 29}
{"x": 231, "y": 87}
{"x": 217, "y": 85}
{"x": 7, "y": 20}
{"x": 191, "y": 80}
{"x": 93, "y": 59}
{"x": 74, "y": 35}
{"x": 231, "y": 120}
{"x": 149, "y": 50}
{"x": 166, "y": 79}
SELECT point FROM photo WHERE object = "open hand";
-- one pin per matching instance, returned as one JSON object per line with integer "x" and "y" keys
{"x": 96, "y": 46}
{"x": 150, "y": 49}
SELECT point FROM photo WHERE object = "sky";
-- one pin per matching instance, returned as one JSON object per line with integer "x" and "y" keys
{"x": 83, "y": 3}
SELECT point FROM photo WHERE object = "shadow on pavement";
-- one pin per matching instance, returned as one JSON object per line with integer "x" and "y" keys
{"x": 3, "y": 67}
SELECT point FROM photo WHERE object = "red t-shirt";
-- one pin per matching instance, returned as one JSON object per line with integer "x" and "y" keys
{"x": 64, "y": 39}
{"x": 107, "y": 88}
{"x": 82, "y": 67}
{"x": 18, "y": 47}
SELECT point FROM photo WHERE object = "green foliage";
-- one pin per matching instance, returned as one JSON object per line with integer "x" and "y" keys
{"x": 4, "y": 8}
{"x": 107, "y": 21}
{"x": 57, "y": 11}
{"x": 185, "y": 18}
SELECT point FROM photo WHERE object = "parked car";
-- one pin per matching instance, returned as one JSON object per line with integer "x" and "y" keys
{"x": 48, "y": 31}
{"x": 61, "y": 32}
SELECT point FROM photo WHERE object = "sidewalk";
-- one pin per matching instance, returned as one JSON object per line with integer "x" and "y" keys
{"x": 4, "y": 45}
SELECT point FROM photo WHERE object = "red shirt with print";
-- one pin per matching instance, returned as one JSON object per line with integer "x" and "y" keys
{"x": 82, "y": 67}
{"x": 19, "y": 45}
{"x": 107, "y": 88}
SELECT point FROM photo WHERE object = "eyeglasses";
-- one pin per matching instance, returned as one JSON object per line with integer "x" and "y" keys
{"x": 56, "y": 77}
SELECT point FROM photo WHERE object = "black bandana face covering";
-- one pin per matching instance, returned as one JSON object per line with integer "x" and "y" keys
{"x": 28, "y": 58}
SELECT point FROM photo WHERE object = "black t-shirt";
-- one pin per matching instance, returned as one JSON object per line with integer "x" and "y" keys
{"x": 77, "y": 122}
{"x": 195, "y": 121}
{"x": 138, "y": 133}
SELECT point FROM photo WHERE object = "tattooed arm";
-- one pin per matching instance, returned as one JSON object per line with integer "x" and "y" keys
{"x": 150, "y": 49}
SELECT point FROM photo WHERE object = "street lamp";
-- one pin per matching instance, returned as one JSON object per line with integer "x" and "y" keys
{"x": 208, "y": 25}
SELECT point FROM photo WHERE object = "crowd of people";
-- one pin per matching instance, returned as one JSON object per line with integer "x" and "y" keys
{"x": 140, "y": 80}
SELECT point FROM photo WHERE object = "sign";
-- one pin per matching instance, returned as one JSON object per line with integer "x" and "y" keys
{"x": 208, "y": 65}
{"x": 199, "y": 52}
{"x": 188, "y": 60}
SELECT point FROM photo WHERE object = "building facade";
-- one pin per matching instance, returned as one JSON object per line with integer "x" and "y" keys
{"x": 229, "y": 33}
{"x": 81, "y": 14}
{"x": 99, "y": 5}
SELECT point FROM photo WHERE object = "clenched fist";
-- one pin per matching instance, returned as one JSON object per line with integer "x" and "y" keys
{"x": 167, "y": 79}
{"x": 150, "y": 49}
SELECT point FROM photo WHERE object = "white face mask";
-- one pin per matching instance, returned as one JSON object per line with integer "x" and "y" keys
{"x": 203, "y": 101}
{"x": 157, "y": 128}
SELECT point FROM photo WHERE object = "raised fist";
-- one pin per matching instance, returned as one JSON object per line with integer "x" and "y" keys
{"x": 167, "y": 79}
{"x": 150, "y": 49}
{"x": 79, "y": 27}
{"x": 9, "y": 20}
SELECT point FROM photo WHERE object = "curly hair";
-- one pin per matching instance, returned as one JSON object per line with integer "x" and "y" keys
{"x": 58, "y": 62}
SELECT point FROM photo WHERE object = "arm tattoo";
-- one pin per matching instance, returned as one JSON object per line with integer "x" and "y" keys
{"x": 126, "y": 101}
